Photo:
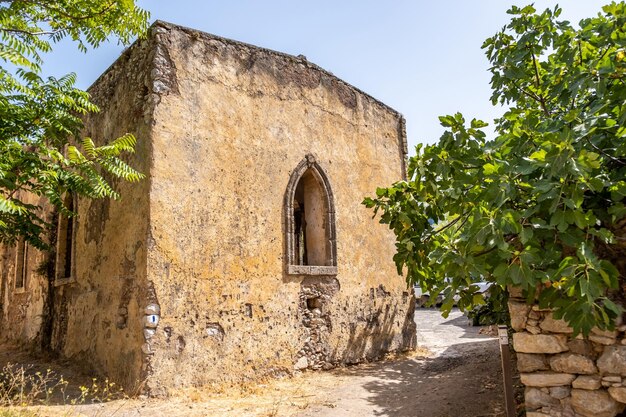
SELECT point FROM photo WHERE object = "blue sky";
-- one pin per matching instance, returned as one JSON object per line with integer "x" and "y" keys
{"x": 422, "y": 58}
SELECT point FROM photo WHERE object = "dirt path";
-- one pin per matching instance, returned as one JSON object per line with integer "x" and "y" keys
{"x": 461, "y": 378}
{"x": 457, "y": 376}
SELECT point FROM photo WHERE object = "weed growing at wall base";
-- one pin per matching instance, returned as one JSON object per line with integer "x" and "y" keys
{"x": 22, "y": 388}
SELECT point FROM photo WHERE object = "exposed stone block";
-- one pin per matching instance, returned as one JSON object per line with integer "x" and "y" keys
{"x": 536, "y": 398}
{"x": 519, "y": 312}
{"x": 514, "y": 292}
{"x": 152, "y": 309}
{"x": 540, "y": 343}
{"x": 573, "y": 364}
{"x": 618, "y": 394}
{"x": 613, "y": 360}
{"x": 550, "y": 324}
{"x": 560, "y": 392}
{"x": 588, "y": 382}
{"x": 151, "y": 321}
{"x": 606, "y": 333}
{"x": 529, "y": 362}
{"x": 301, "y": 363}
{"x": 546, "y": 379}
{"x": 594, "y": 403}
{"x": 580, "y": 347}
{"x": 603, "y": 340}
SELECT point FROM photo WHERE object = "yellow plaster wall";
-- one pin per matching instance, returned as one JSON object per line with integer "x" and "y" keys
{"x": 224, "y": 146}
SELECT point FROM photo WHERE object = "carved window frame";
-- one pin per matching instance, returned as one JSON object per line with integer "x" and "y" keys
{"x": 292, "y": 268}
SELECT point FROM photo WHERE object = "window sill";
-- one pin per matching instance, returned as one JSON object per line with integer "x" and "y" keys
{"x": 20, "y": 290}
{"x": 311, "y": 270}
{"x": 63, "y": 281}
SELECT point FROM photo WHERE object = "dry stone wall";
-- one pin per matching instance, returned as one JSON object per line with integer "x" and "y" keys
{"x": 567, "y": 376}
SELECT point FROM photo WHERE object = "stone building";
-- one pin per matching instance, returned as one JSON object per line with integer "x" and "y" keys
{"x": 246, "y": 251}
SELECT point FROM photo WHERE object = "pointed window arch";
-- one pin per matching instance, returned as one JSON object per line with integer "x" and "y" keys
{"x": 310, "y": 221}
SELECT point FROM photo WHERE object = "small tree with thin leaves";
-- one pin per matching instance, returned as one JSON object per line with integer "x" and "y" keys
{"x": 41, "y": 150}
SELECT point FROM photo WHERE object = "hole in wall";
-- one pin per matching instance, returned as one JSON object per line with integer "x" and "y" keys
{"x": 180, "y": 344}
{"x": 313, "y": 303}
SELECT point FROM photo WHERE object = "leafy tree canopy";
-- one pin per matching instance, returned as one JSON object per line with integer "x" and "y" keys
{"x": 541, "y": 206}
{"x": 41, "y": 152}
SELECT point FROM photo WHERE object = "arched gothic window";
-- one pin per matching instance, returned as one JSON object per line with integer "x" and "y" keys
{"x": 310, "y": 221}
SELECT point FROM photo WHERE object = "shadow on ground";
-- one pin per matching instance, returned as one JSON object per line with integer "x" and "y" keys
{"x": 462, "y": 379}
{"x": 466, "y": 383}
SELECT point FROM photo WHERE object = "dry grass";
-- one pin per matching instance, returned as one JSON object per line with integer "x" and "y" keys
{"x": 9, "y": 412}
{"x": 24, "y": 392}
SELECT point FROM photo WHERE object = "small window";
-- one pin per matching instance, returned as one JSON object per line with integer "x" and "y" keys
{"x": 65, "y": 240}
{"x": 310, "y": 221}
{"x": 21, "y": 264}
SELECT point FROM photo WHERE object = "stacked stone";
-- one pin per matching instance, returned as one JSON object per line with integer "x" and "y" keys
{"x": 568, "y": 376}
{"x": 314, "y": 300}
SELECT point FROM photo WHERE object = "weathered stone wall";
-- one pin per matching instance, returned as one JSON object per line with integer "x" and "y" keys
{"x": 98, "y": 316}
{"x": 567, "y": 376}
{"x": 232, "y": 124}
{"x": 22, "y": 309}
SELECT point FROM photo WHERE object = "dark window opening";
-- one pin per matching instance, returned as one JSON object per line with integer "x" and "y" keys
{"x": 310, "y": 218}
{"x": 21, "y": 264}
{"x": 65, "y": 240}
{"x": 299, "y": 226}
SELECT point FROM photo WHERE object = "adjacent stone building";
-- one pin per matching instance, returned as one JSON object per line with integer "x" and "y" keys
{"x": 246, "y": 251}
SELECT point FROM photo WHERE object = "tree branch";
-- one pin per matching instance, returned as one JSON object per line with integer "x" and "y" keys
{"x": 46, "y": 5}
{"x": 542, "y": 101}
{"x": 597, "y": 148}
{"x": 486, "y": 251}
{"x": 452, "y": 223}
{"x": 25, "y": 32}
{"x": 530, "y": 94}
{"x": 580, "y": 51}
